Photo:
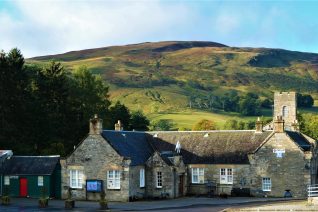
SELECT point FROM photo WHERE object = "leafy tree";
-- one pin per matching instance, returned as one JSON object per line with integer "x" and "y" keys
{"x": 267, "y": 103}
{"x": 138, "y": 121}
{"x": 204, "y": 124}
{"x": 231, "y": 124}
{"x": 249, "y": 105}
{"x": 119, "y": 112}
{"x": 309, "y": 124}
{"x": 304, "y": 100}
{"x": 162, "y": 124}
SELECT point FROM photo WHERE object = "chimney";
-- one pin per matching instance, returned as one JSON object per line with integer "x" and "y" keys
{"x": 279, "y": 124}
{"x": 95, "y": 125}
{"x": 119, "y": 126}
{"x": 258, "y": 126}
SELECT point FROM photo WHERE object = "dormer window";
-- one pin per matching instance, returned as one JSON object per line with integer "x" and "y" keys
{"x": 285, "y": 111}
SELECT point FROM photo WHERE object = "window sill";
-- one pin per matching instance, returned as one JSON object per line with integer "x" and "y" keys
{"x": 72, "y": 188}
{"x": 117, "y": 189}
{"x": 159, "y": 187}
{"x": 197, "y": 183}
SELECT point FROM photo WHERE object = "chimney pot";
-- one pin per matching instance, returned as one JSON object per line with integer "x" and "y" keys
{"x": 258, "y": 125}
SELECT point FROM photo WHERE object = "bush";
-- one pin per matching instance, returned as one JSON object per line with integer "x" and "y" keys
{"x": 103, "y": 202}
{"x": 44, "y": 200}
{"x": 69, "y": 202}
{"x": 5, "y": 200}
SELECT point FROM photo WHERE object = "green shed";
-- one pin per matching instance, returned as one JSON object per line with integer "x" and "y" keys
{"x": 32, "y": 176}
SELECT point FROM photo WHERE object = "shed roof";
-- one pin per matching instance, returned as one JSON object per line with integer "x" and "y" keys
{"x": 211, "y": 147}
{"x": 130, "y": 144}
{"x": 30, "y": 165}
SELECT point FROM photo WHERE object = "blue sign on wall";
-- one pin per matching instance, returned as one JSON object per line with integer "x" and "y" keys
{"x": 94, "y": 185}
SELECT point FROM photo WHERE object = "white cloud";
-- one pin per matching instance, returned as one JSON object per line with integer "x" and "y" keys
{"x": 46, "y": 27}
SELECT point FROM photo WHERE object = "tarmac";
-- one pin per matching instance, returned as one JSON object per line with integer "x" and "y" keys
{"x": 28, "y": 204}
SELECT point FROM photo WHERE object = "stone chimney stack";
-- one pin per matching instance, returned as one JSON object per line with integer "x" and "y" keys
{"x": 95, "y": 125}
{"x": 258, "y": 126}
{"x": 119, "y": 126}
{"x": 279, "y": 124}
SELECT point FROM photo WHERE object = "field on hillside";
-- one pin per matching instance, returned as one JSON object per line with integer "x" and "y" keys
{"x": 161, "y": 78}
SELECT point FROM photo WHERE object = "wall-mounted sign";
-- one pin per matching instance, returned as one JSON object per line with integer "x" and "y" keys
{"x": 14, "y": 177}
{"x": 94, "y": 185}
{"x": 279, "y": 152}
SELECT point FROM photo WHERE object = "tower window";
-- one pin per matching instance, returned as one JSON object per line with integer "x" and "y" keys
{"x": 285, "y": 111}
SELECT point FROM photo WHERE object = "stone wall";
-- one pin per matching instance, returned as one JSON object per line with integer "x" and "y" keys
{"x": 241, "y": 179}
{"x": 290, "y": 171}
{"x": 171, "y": 175}
{"x": 95, "y": 157}
{"x": 135, "y": 191}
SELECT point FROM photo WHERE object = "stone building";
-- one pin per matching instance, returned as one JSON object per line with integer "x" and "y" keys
{"x": 276, "y": 162}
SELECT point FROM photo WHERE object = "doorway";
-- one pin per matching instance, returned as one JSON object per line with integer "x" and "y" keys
{"x": 23, "y": 187}
{"x": 181, "y": 185}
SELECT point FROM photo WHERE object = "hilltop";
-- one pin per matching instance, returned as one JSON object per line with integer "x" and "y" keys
{"x": 161, "y": 78}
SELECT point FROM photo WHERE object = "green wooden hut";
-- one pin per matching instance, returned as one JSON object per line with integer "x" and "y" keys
{"x": 32, "y": 176}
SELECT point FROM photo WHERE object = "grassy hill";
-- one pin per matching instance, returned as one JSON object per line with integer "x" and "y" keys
{"x": 160, "y": 78}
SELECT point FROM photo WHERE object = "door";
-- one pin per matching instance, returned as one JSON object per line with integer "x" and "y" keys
{"x": 181, "y": 184}
{"x": 23, "y": 187}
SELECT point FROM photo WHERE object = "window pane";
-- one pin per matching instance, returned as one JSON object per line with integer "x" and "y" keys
{"x": 6, "y": 180}
{"x": 40, "y": 180}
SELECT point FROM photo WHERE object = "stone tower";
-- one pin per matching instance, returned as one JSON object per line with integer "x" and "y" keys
{"x": 285, "y": 106}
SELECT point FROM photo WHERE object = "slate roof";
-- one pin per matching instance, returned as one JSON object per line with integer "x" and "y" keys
{"x": 30, "y": 165}
{"x": 300, "y": 140}
{"x": 210, "y": 147}
{"x": 130, "y": 144}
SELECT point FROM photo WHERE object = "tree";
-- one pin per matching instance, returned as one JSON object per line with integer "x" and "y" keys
{"x": 162, "y": 124}
{"x": 231, "y": 124}
{"x": 15, "y": 101}
{"x": 267, "y": 103}
{"x": 204, "y": 124}
{"x": 304, "y": 100}
{"x": 119, "y": 112}
{"x": 309, "y": 124}
{"x": 138, "y": 121}
{"x": 249, "y": 105}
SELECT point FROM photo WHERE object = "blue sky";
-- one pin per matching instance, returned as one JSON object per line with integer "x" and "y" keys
{"x": 50, "y": 27}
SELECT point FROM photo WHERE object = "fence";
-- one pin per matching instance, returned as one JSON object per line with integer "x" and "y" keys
{"x": 312, "y": 190}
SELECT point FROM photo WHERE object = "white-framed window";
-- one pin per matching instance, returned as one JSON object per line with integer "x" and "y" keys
{"x": 40, "y": 181}
{"x": 142, "y": 178}
{"x": 226, "y": 176}
{"x": 76, "y": 178}
{"x": 159, "y": 180}
{"x": 6, "y": 180}
{"x": 113, "y": 179}
{"x": 285, "y": 111}
{"x": 197, "y": 175}
{"x": 266, "y": 184}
